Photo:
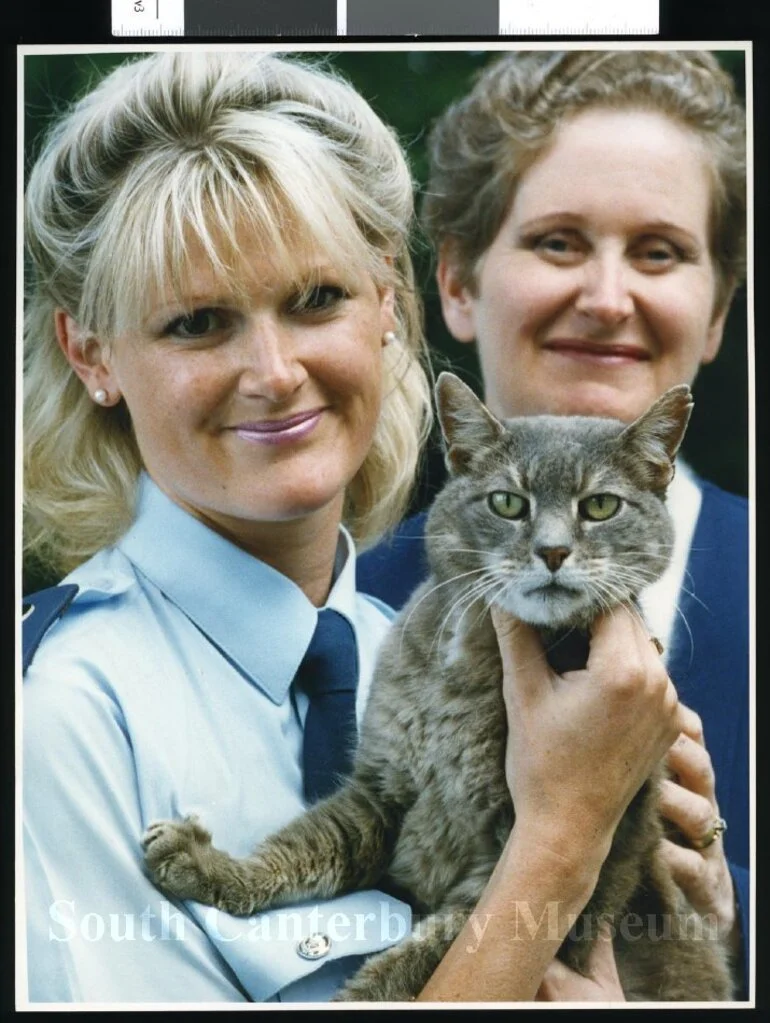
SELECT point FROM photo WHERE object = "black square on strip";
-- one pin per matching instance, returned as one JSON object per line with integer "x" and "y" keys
{"x": 423, "y": 17}
{"x": 260, "y": 17}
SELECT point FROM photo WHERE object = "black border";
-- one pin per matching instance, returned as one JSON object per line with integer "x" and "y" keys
{"x": 88, "y": 22}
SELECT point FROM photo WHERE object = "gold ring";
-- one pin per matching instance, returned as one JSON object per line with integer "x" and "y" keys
{"x": 716, "y": 831}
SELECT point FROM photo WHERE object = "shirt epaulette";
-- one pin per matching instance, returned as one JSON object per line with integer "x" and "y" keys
{"x": 39, "y": 611}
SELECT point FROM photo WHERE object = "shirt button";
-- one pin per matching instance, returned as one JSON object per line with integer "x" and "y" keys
{"x": 316, "y": 946}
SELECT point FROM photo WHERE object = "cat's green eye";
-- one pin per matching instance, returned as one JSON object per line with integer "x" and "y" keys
{"x": 599, "y": 507}
{"x": 508, "y": 505}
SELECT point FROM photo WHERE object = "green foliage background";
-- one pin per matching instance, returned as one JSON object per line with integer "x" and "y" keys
{"x": 409, "y": 89}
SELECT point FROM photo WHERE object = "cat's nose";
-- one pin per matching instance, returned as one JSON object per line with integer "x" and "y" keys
{"x": 554, "y": 557}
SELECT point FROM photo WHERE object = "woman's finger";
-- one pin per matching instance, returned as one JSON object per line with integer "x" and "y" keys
{"x": 691, "y": 763}
{"x": 705, "y": 881}
{"x": 693, "y": 814}
{"x": 692, "y": 724}
{"x": 619, "y": 637}
{"x": 687, "y": 866}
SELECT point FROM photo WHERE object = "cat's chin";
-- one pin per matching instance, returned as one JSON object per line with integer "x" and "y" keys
{"x": 553, "y": 609}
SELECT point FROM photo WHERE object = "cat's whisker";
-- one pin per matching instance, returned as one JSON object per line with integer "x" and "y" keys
{"x": 465, "y": 593}
{"x": 634, "y": 578}
{"x": 613, "y": 564}
{"x": 599, "y": 598}
{"x": 616, "y": 571}
{"x": 618, "y": 591}
{"x": 656, "y": 562}
{"x": 468, "y": 594}
{"x": 445, "y": 582}
{"x": 613, "y": 604}
{"x": 658, "y": 546}
{"x": 477, "y": 596}
{"x": 432, "y": 590}
{"x": 475, "y": 591}
{"x": 436, "y": 537}
{"x": 469, "y": 550}
{"x": 446, "y": 619}
{"x": 653, "y": 568}
{"x": 624, "y": 589}
{"x": 497, "y": 576}
{"x": 689, "y": 577}
{"x": 695, "y": 597}
{"x": 503, "y": 585}
{"x": 689, "y": 632}
{"x": 615, "y": 592}
{"x": 608, "y": 595}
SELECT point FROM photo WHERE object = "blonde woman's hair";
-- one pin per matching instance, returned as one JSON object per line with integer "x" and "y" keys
{"x": 179, "y": 152}
{"x": 482, "y": 144}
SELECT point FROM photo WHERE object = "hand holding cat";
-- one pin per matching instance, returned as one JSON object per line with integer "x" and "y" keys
{"x": 689, "y": 801}
{"x": 581, "y": 745}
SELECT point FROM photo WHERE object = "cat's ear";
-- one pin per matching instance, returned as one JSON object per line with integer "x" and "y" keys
{"x": 466, "y": 423}
{"x": 653, "y": 440}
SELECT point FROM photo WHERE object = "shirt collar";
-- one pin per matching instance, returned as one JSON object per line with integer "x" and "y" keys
{"x": 260, "y": 619}
{"x": 660, "y": 601}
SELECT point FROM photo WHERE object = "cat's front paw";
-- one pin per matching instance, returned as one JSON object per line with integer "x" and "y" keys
{"x": 389, "y": 976}
{"x": 175, "y": 853}
{"x": 356, "y": 990}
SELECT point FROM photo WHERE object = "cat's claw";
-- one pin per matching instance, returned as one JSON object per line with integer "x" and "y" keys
{"x": 173, "y": 854}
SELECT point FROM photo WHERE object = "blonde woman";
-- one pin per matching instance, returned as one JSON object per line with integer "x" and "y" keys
{"x": 224, "y": 393}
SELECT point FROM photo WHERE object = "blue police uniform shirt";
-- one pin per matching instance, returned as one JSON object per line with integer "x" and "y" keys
{"x": 166, "y": 690}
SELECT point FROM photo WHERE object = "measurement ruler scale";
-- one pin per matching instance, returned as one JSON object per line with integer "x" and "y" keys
{"x": 324, "y": 18}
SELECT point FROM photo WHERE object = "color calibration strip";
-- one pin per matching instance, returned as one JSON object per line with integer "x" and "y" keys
{"x": 329, "y": 18}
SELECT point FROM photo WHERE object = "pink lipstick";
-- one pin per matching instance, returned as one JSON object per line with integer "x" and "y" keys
{"x": 279, "y": 431}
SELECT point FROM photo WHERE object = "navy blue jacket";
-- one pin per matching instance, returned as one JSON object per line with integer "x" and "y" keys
{"x": 709, "y": 665}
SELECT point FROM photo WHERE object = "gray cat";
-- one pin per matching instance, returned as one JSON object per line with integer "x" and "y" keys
{"x": 554, "y": 519}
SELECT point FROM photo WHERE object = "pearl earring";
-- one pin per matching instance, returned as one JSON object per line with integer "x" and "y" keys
{"x": 100, "y": 395}
{"x": 388, "y": 338}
